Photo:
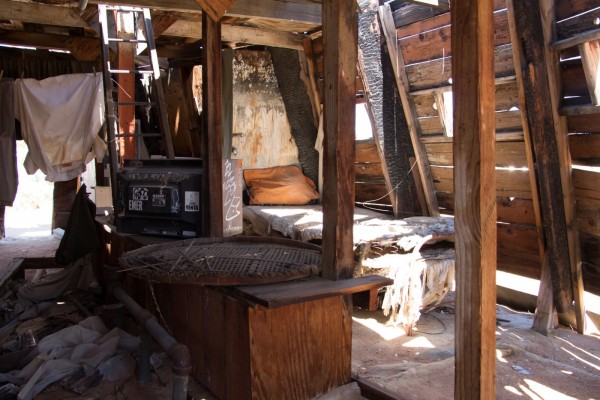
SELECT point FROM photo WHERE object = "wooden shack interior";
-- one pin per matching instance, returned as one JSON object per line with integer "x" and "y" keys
{"x": 476, "y": 119}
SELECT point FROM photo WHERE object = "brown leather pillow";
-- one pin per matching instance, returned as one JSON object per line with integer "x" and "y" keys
{"x": 284, "y": 185}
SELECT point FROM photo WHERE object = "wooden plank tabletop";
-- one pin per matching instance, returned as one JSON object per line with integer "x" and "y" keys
{"x": 287, "y": 293}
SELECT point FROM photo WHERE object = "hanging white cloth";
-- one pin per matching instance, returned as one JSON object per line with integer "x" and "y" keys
{"x": 60, "y": 119}
{"x": 8, "y": 145}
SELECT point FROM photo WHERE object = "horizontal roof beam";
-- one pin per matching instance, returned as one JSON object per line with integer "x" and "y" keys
{"x": 297, "y": 10}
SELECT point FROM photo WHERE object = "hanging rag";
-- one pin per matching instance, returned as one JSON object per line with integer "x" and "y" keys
{"x": 8, "y": 146}
{"x": 60, "y": 120}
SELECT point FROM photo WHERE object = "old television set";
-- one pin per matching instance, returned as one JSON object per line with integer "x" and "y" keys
{"x": 160, "y": 197}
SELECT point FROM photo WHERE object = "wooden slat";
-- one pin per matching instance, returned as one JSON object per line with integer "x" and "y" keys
{"x": 436, "y": 73}
{"x": 590, "y": 256}
{"x": 576, "y": 40}
{"x": 434, "y": 44}
{"x": 376, "y": 193}
{"x": 197, "y": 330}
{"x": 366, "y": 152}
{"x": 585, "y": 149}
{"x": 515, "y": 211}
{"x": 578, "y": 24}
{"x": 549, "y": 139}
{"x": 340, "y": 39}
{"x": 590, "y": 58}
{"x": 409, "y": 108}
{"x": 238, "y": 374}
{"x": 586, "y": 183}
{"x": 573, "y": 78}
{"x": 507, "y": 95}
{"x": 295, "y": 292}
{"x": 213, "y": 309}
{"x": 212, "y": 127}
{"x": 588, "y": 216}
{"x": 508, "y": 154}
{"x": 517, "y": 250}
{"x": 587, "y": 123}
{"x": 569, "y": 8}
{"x": 508, "y": 183}
{"x": 475, "y": 213}
{"x": 366, "y": 171}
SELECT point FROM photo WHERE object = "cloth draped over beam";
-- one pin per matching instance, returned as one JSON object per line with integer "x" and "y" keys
{"x": 8, "y": 145}
{"x": 60, "y": 120}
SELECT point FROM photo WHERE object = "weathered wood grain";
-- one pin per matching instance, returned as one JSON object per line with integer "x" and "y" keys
{"x": 283, "y": 345}
{"x": 436, "y": 43}
{"x": 475, "y": 208}
{"x": 436, "y": 73}
{"x": 340, "y": 57}
{"x": 508, "y": 183}
{"x": 585, "y": 149}
{"x": 508, "y": 154}
{"x": 402, "y": 83}
{"x": 212, "y": 128}
{"x": 549, "y": 139}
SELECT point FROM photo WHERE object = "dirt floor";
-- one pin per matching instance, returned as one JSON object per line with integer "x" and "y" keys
{"x": 562, "y": 365}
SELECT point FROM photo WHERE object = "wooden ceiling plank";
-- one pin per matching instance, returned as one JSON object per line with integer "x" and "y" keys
{"x": 239, "y": 34}
{"x": 41, "y": 14}
{"x": 298, "y": 10}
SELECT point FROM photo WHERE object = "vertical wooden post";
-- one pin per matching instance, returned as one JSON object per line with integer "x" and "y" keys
{"x": 533, "y": 20}
{"x": 126, "y": 84}
{"x": 475, "y": 198}
{"x": 544, "y": 312}
{"x": 340, "y": 46}
{"x": 212, "y": 136}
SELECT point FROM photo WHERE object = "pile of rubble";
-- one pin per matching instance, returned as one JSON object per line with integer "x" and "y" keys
{"x": 55, "y": 331}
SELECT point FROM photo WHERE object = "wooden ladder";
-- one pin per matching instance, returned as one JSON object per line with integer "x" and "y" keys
{"x": 152, "y": 72}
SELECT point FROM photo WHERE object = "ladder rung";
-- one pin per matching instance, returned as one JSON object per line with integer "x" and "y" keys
{"x": 138, "y": 135}
{"x": 135, "y": 103}
{"x": 123, "y": 8}
{"x": 130, "y": 71}
{"x": 127, "y": 40}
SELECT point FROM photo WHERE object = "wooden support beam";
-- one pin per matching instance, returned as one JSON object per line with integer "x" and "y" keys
{"x": 541, "y": 80}
{"x": 340, "y": 49}
{"x": 475, "y": 198}
{"x": 575, "y": 40}
{"x": 215, "y": 8}
{"x": 389, "y": 30}
{"x": 590, "y": 58}
{"x": 212, "y": 135}
{"x": 41, "y": 14}
{"x": 307, "y": 11}
{"x": 545, "y": 311}
{"x": 239, "y": 34}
